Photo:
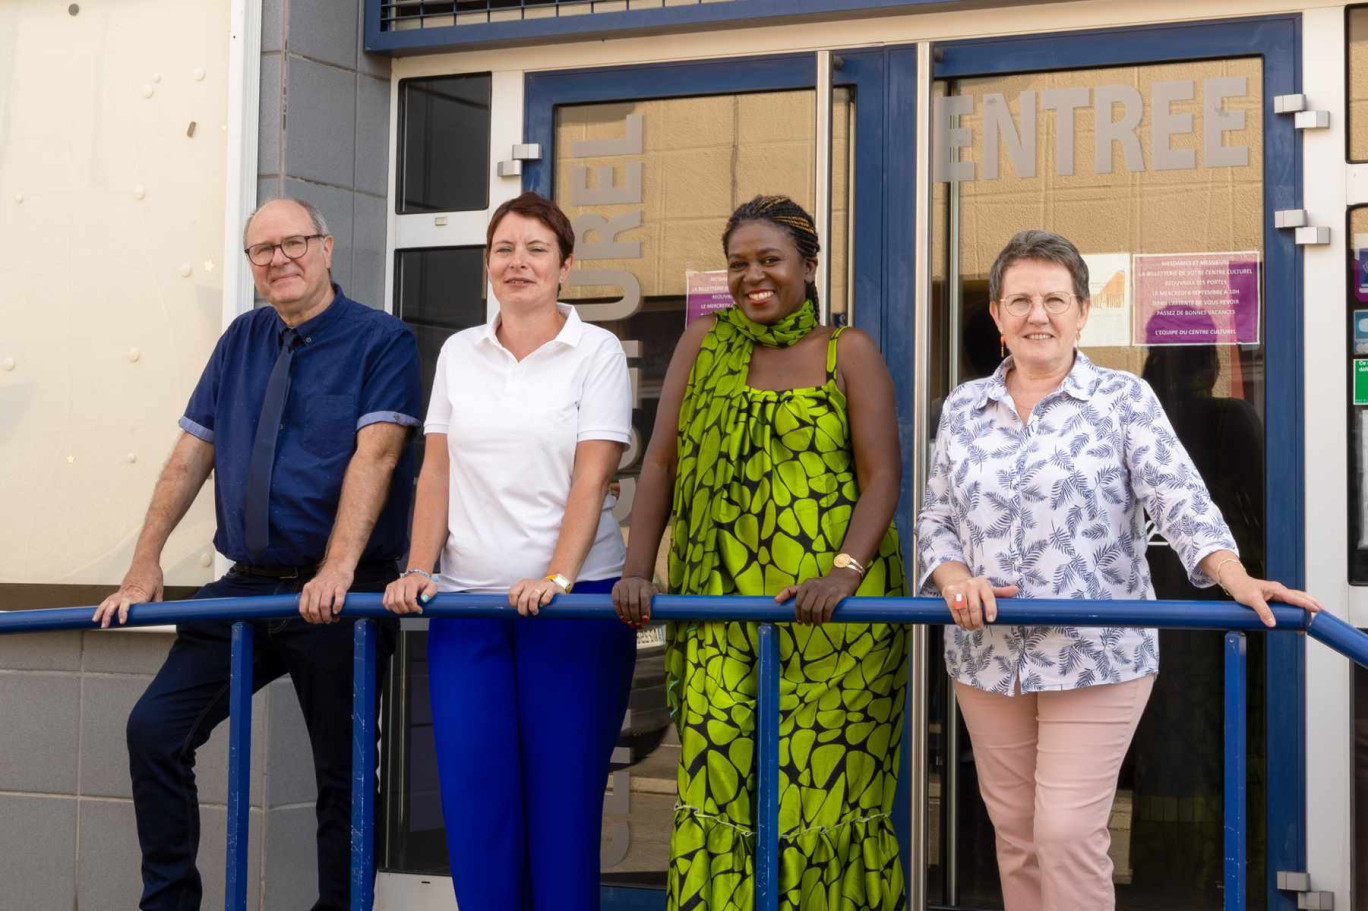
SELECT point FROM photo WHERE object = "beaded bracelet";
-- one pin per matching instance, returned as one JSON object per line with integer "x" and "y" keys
{"x": 419, "y": 572}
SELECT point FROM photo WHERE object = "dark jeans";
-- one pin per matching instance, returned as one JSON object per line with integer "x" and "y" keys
{"x": 189, "y": 697}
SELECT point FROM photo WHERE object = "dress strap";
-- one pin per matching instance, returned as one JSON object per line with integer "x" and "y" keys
{"x": 831, "y": 353}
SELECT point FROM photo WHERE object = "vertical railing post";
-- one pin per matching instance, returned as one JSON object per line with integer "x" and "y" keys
{"x": 363, "y": 767}
{"x": 239, "y": 767}
{"x": 767, "y": 783}
{"x": 1235, "y": 771}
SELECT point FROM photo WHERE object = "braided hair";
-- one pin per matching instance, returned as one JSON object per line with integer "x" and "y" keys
{"x": 783, "y": 213}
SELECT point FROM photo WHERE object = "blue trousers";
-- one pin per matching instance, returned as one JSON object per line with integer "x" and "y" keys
{"x": 525, "y": 713}
{"x": 189, "y": 697}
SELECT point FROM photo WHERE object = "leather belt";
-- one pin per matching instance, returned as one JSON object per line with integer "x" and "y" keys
{"x": 274, "y": 572}
{"x": 364, "y": 568}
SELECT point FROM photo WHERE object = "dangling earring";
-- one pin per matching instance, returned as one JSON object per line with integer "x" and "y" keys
{"x": 1002, "y": 345}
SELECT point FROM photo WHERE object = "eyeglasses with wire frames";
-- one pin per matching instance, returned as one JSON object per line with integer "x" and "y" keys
{"x": 293, "y": 247}
{"x": 1055, "y": 302}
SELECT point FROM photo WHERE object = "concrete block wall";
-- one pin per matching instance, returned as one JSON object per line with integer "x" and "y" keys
{"x": 324, "y": 132}
{"x": 68, "y": 838}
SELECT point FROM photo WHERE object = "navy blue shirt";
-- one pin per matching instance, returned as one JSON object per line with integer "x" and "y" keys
{"x": 355, "y": 366}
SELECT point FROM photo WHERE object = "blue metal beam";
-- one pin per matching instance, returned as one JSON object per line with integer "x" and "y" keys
{"x": 363, "y": 766}
{"x": 1236, "y": 772}
{"x": 239, "y": 767}
{"x": 767, "y": 778}
{"x": 1330, "y": 630}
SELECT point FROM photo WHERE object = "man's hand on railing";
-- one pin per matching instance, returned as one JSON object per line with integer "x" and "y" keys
{"x": 321, "y": 598}
{"x": 408, "y": 593}
{"x": 632, "y": 600}
{"x": 142, "y": 583}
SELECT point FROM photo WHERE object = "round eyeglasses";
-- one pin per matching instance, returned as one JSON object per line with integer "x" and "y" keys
{"x": 293, "y": 247}
{"x": 1020, "y": 304}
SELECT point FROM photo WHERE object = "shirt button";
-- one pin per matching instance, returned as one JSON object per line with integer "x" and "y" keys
{"x": 309, "y": 340}
{"x": 282, "y": 426}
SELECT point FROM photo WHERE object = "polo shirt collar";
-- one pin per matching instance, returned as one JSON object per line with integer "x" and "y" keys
{"x": 319, "y": 325}
{"x": 1080, "y": 382}
{"x": 569, "y": 335}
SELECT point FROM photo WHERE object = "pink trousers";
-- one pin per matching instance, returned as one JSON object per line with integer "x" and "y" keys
{"x": 1047, "y": 765}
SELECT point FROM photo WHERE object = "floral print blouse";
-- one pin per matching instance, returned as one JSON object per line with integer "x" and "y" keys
{"x": 1057, "y": 507}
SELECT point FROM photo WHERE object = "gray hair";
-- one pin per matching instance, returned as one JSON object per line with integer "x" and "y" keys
{"x": 1042, "y": 246}
{"x": 320, "y": 225}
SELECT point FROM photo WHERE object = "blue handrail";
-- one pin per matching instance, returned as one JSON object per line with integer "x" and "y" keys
{"x": 1225, "y": 615}
{"x": 1219, "y": 615}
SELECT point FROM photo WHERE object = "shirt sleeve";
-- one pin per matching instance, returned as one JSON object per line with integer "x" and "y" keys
{"x": 938, "y": 539}
{"x": 605, "y": 408}
{"x": 392, "y": 390}
{"x": 439, "y": 406}
{"x": 198, "y": 419}
{"x": 1168, "y": 485}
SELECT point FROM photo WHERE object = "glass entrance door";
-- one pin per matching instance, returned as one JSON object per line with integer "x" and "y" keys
{"x": 649, "y": 163}
{"x": 1158, "y": 155}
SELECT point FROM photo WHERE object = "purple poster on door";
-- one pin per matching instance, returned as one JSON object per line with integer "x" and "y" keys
{"x": 705, "y": 292}
{"x": 1196, "y": 298}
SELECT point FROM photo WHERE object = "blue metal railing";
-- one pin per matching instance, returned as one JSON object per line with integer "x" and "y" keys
{"x": 1323, "y": 627}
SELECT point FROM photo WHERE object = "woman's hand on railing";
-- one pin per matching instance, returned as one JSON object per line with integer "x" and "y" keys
{"x": 141, "y": 584}
{"x": 529, "y": 596}
{"x": 632, "y": 600}
{"x": 408, "y": 594}
{"x": 1256, "y": 593}
{"x": 815, "y": 600}
{"x": 973, "y": 601}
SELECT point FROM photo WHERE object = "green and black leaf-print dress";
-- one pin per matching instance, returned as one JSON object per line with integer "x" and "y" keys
{"x": 764, "y": 491}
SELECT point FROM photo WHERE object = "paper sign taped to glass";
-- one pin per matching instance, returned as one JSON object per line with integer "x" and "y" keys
{"x": 705, "y": 292}
{"x": 1196, "y": 298}
{"x": 1361, "y": 381}
{"x": 1360, "y": 280}
{"x": 1109, "y": 287}
{"x": 1361, "y": 333}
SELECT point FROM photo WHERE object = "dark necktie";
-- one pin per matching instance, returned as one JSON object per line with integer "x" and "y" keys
{"x": 256, "y": 512}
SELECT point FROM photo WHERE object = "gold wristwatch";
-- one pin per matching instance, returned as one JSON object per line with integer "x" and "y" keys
{"x": 846, "y": 561}
{"x": 564, "y": 583}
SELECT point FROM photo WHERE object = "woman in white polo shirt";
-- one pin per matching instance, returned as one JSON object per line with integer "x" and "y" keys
{"x": 529, "y": 417}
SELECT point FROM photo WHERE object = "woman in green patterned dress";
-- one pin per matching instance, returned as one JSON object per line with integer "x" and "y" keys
{"x": 778, "y": 439}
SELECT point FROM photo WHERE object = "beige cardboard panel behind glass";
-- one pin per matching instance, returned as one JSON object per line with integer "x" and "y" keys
{"x": 699, "y": 158}
{"x": 1214, "y": 209}
{"x": 111, "y": 223}
{"x": 1358, "y": 83}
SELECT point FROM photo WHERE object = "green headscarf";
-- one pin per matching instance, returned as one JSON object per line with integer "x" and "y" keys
{"x": 782, "y": 334}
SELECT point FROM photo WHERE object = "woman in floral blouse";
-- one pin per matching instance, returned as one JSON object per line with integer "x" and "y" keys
{"x": 1042, "y": 476}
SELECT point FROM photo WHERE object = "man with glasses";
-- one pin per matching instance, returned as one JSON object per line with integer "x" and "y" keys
{"x": 303, "y": 413}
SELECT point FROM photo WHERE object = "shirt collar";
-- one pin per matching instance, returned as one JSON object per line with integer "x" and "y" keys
{"x": 569, "y": 335}
{"x": 1080, "y": 382}
{"x": 318, "y": 325}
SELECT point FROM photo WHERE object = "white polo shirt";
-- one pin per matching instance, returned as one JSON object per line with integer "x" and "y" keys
{"x": 512, "y": 427}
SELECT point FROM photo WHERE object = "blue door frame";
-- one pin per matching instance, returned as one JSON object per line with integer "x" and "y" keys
{"x": 1277, "y": 40}
{"x": 884, "y": 81}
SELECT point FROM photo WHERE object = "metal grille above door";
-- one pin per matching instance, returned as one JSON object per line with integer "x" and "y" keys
{"x": 398, "y": 15}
